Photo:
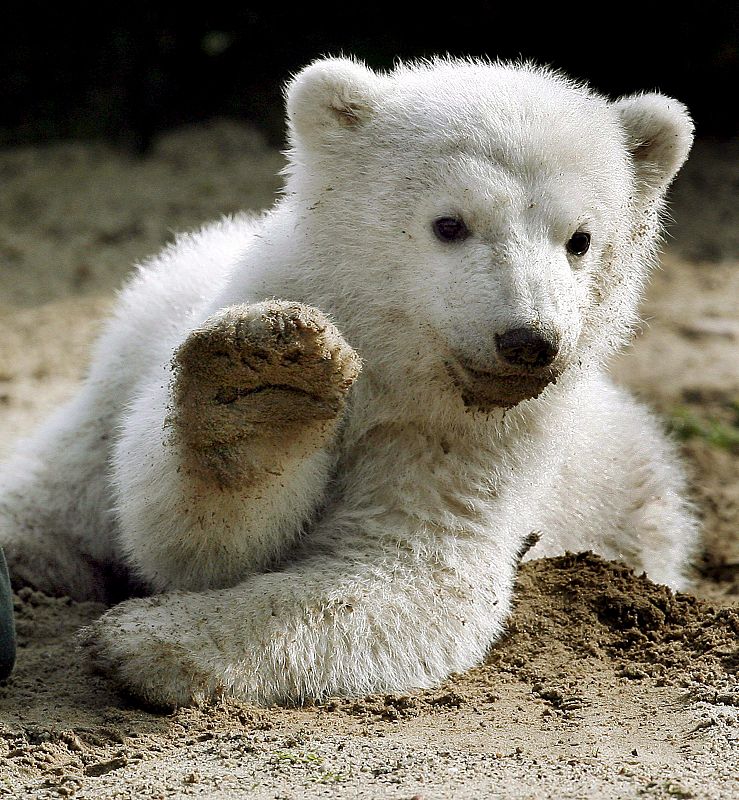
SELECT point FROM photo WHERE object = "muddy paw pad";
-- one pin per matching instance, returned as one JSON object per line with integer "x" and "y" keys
{"x": 274, "y": 363}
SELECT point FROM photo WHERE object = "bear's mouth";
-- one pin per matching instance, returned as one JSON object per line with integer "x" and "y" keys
{"x": 485, "y": 390}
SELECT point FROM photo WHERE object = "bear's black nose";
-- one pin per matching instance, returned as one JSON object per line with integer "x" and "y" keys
{"x": 528, "y": 347}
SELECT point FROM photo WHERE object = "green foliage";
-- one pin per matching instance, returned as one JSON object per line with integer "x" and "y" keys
{"x": 686, "y": 424}
{"x": 308, "y": 757}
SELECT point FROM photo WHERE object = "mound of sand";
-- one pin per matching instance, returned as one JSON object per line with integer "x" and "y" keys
{"x": 602, "y": 674}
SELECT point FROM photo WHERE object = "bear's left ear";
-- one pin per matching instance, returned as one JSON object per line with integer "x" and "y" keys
{"x": 330, "y": 96}
{"x": 659, "y": 134}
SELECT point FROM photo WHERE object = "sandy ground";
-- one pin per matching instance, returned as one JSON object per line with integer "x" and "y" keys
{"x": 605, "y": 686}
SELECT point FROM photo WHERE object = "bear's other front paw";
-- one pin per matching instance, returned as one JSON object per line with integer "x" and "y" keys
{"x": 149, "y": 649}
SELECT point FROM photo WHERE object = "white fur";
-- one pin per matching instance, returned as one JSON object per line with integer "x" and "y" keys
{"x": 413, "y": 513}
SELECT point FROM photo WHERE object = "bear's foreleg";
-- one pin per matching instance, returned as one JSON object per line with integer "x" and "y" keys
{"x": 219, "y": 467}
{"x": 365, "y": 621}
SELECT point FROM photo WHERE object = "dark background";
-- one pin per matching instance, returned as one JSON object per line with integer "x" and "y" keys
{"x": 127, "y": 71}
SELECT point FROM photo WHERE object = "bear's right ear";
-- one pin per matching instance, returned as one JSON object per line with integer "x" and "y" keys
{"x": 330, "y": 95}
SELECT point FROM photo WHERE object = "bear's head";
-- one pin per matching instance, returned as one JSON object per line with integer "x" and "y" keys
{"x": 484, "y": 228}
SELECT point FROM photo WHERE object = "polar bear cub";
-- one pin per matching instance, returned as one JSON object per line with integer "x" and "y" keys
{"x": 322, "y": 438}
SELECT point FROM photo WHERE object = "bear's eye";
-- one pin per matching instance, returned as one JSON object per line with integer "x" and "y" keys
{"x": 579, "y": 243}
{"x": 450, "y": 229}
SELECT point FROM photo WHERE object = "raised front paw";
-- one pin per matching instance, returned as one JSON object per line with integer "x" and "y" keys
{"x": 153, "y": 650}
{"x": 286, "y": 356}
{"x": 269, "y": 374}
